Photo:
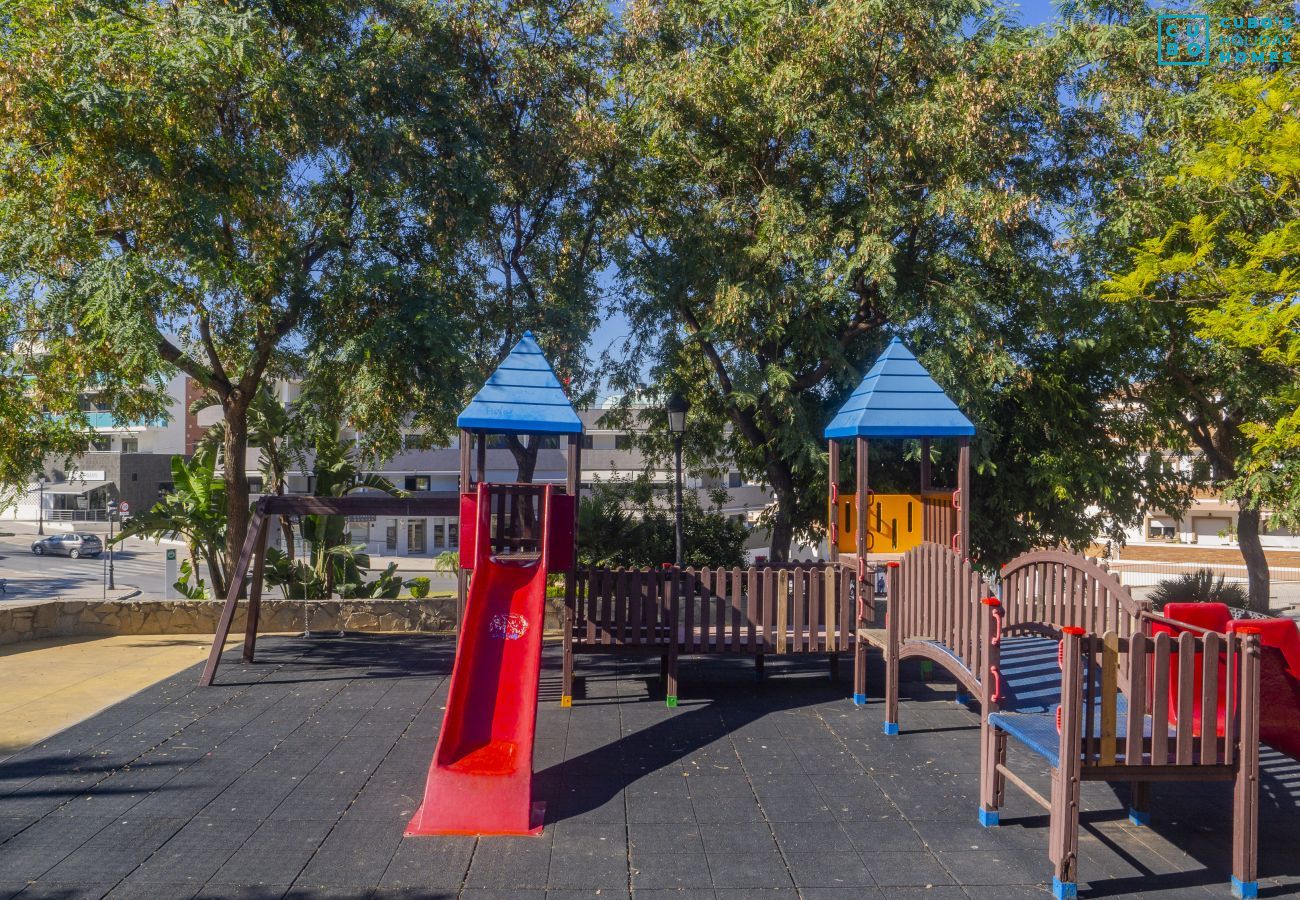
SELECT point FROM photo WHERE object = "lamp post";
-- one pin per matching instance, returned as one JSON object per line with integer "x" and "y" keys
{"x": 40, "y": 506}
{"x": 676, "y": 408}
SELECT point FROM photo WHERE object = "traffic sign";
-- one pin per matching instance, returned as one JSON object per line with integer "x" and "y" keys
{"x": 171, "y": 555}
{"x": 124, "y": 508}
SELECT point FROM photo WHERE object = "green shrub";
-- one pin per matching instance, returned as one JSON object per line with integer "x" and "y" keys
{"x": 1198, "y": 587}
{"x": 419, "y": 587}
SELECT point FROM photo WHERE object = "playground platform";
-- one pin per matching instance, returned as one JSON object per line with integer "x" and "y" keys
{"x": 296, "y": 775}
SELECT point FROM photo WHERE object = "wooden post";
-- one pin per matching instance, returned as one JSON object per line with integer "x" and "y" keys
{"x": 925, "y": 465}
{"x": 992, "y": 743}
{"x": 573, "y": 484}
{"x": 832, "y": 502}
{"x": 1063, "y": 831}
{"x": 255, "y": 591}
{"x": 893, "y": 640}
{"x": 232, "y": 596}
{"x": 963, "y": 488}
{"x": 463, "y": 486}
{"x": 1245, "y": 792}
{"x": 862, "y": 509}
{"x": 674, "y": 617}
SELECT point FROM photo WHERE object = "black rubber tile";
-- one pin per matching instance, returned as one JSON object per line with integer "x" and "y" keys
{"x": 812, "y": 837}
{"x": 275, "y": 854}
{"x": 356, "y": 853}
{"x": 670, "y": 871}
{"x": 749, "y": 870}
{"x": 429, "y": 862}
{"x": 63, "y": 891}
{"x": 512, "y": 863}
{"x": 892, "y": 869}
{"x": 144, "y": 890}
{"x": 659, "y": 838}
{"x": 823, "y": 869}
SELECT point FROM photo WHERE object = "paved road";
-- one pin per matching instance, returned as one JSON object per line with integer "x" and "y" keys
{"x": 137, "y": 565}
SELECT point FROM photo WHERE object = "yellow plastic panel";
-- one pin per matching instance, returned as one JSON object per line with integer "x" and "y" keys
{"x": 894, "y": 523}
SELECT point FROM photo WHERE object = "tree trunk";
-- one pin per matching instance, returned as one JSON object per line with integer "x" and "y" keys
{"x": 783, "y": 522}
{"x": 525, "y": 455}
{"x": 1253, "y": 552}
{"x": 235, "y": 449}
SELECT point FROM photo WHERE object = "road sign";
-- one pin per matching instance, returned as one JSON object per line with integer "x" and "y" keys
{"x": 124, "y": 508}
{"x": 171, "y": 555}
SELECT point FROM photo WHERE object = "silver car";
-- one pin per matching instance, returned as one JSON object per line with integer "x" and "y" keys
{"x": 75, "y": 545}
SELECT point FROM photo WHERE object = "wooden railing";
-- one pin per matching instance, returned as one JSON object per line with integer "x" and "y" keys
{"x": 1046, "y": 590}
{"x": 938, "y": 598}
{"x": 797, "y": 608}
{"x": 939, "y": 517}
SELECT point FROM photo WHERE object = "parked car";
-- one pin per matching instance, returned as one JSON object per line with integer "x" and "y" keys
{"x": 75, "y": 545}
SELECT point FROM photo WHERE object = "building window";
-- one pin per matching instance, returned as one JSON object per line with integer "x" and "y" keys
{"x": 390, "y": 537}
{"x": 255, "y": 485}
{"x": 548, "y": 442}
{"x": 1158, "y": 530}
{"x": 439, "y": 534}
{"x": 130, "y": 445}
{"x": 417, "y": 482}
{"x": 412, "y": 442}
{"x": 101, "y": 443}
{"x": 622, "y": 442}
{"x": 588, "y": 442}
{"x": 453, "y": 534}
{"x": 734, "y": 480}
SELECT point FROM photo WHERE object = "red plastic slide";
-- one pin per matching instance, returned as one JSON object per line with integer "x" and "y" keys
{"x": 1279, "y": 669}
{"x": 480, "y": 781}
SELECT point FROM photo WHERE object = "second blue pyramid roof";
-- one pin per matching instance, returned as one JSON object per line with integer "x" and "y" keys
{"x": 522, "y": 396}
{"x": 898, "y": 399}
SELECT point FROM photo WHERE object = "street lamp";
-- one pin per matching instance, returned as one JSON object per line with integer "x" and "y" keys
{"x": 676, "y": 408}
{"x": 40, "y": 507}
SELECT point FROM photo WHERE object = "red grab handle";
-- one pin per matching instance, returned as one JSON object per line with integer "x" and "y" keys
{"x": 997, "y": 683}
{"x": 956, "y": 498}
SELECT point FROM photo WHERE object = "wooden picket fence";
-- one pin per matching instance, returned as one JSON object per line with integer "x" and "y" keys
{"x": 757, "y": 610}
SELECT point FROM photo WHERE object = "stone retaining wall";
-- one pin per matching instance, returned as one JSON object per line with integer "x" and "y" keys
{"x": 70, "y": 618}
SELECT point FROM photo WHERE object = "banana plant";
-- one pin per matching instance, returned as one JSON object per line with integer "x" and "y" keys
{"x": 194, "y": 511}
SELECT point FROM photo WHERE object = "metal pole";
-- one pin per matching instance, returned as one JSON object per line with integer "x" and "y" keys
{"x": 111, "y": 585}
{"x": 677, "y": 449}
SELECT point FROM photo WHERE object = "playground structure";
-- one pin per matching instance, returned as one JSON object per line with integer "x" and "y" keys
{"x": 1060, "y": 657}
{"x": 896, "y": 399}
{"x": 1064, "y": 661}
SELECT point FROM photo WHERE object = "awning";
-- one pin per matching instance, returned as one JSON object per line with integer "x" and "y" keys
{"x": 73, "y": 487}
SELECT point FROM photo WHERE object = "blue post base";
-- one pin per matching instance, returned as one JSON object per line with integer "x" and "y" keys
{"x": 859, "y": 699}
{"x": 1244, "y": 889}
{"x": 671, "y": 701}
{"x": 1065, "y": 890}
{"x": 1139, "y": 817}
{"x": 962, "y": 699}
{"x": 989, "y": 818}
{"x": 891, "y": 728}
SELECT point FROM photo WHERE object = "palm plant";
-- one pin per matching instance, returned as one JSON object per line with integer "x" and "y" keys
{"x": 1198, "y": 587}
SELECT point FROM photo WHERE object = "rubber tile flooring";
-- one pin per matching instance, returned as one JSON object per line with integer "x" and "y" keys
{"x": 294, "y": 776}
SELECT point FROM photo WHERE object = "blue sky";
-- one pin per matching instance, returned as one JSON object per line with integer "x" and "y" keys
{"x": 614, "y": 329}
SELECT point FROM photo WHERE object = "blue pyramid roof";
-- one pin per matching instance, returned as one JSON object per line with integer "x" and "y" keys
{"x": 522, "y": 396}
{"x": 898, "y": 398}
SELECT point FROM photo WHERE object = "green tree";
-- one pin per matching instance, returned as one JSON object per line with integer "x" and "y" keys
{"x": 807, "y": 174}
{"x": 238, "y": 191}
{"x": 630, "y": 523}
{"x": 1189, "y": 231}
{"x": 549, "y": 149}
